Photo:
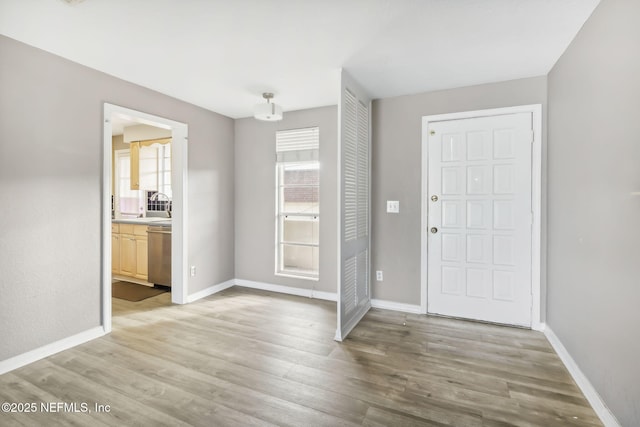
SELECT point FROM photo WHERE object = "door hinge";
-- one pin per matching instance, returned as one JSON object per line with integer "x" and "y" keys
{"x": 532, "y": 136}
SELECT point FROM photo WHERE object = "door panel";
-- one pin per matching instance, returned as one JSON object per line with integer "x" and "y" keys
{"x": 354, "y": 295}
{"x": 479, "y": 244}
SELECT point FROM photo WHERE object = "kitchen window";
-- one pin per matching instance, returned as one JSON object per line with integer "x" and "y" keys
{"x": 155, "y": 168}
{"x": 155, "y": 175}
{"x": 298, "y": 202}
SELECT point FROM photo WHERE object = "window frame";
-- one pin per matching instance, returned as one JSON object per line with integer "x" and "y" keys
{"x": 160, "y": 157}
{"x": 281, "y": 215}
{"x": 118, "y": 156}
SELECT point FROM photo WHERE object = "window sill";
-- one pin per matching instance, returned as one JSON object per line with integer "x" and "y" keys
{"x": 296, "y": 276}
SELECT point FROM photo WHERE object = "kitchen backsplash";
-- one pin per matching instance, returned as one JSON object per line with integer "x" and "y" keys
{"x": 157, "y": 205}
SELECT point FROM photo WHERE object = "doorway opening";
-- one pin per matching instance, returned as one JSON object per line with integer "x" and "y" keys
{"x": 144, "y": 207}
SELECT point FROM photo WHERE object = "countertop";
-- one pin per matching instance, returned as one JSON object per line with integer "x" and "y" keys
{"x": 164, "y": 222}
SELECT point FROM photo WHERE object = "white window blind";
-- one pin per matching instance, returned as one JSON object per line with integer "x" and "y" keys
{"x": 298, "y": 145}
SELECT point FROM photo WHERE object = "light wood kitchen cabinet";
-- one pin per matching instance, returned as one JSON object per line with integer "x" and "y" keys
{"x": 134, "y": 154}
{"x": 129, "y": 251}
{"x": 128, "y": 255}
{"x": 141, "y": 257}
{"x": 115, "y": 253}
{"x": 134, "y": 149}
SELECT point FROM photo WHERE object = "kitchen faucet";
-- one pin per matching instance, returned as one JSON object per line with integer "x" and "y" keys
{"x": 167, "y": 206}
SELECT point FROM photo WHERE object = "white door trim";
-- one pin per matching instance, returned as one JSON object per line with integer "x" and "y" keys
{"x": 179, "y": 260}
{"x": 536, "y": 202}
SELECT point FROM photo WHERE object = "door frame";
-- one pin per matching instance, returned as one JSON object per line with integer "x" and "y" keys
{"x": 179, "y": 171}
{"x": 536, "y": 201}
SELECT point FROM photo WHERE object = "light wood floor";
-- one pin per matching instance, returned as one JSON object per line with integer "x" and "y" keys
{"x": 246, "y": 357}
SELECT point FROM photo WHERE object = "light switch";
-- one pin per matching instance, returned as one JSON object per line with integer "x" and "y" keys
{"x": 393, "y": 206}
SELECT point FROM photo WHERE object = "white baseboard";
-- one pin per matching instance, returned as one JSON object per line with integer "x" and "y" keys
{"x": 327, "y": 296}
{"x": 598, "y": 405}
{"x": 538, "y": 326}
{"x": 395, "y": 306}
{"x": 50, "y": 349}
{"x": 210, "y": 291}
{"x": 309, "y": 293}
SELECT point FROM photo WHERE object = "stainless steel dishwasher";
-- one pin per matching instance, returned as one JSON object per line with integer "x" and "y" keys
{"x": 159, "y": 251}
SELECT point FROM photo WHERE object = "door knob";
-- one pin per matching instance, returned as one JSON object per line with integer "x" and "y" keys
{"x": 434, "y": 198}
{"x": 434, "y": 230}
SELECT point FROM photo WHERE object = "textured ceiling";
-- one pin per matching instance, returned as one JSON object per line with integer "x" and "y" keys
{"x": 222, "y": 54}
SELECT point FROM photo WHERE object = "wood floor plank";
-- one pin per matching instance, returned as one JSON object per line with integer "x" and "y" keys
{"x": 248, "y": 357}
{"x": 378, "y": 417}
{"x": 154, "y": 393}
{"x": 383, "y": 396}
{"x": 207, "y": 396}
{"x": 197, "y": 368}
{"x": 73, "y": 387}
{"x": 14, "y": 389}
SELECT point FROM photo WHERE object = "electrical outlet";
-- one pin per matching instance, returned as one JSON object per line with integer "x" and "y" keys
{"x": 193, "y": 271}
{"x": 379, "y": 275}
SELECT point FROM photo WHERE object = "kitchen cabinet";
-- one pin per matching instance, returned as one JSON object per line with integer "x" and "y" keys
{"x": 127, "y": 255}
{"x": 115, "y": 253}
{"x": 141, "y": 257}
{"x": 129, "y": 259}
{"x": 135, "y": 156}
{"x": 135, "y": 165}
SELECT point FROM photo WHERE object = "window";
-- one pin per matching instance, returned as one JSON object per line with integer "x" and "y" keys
{"x": 155, "y": 175}
{"x": 155, "y": 168}
{"x": 298, "y": 202}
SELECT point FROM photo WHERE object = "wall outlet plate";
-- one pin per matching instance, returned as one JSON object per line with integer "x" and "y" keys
{"x": 193, "y": 271}
{"x": 379, "y": 275}
{"x": 393, "y": 206}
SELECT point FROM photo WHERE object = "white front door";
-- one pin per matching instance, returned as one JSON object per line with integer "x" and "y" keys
{"x": 480, "y": 218}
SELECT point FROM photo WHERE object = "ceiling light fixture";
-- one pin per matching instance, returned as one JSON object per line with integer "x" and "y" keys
{"x": 268, "y": 112}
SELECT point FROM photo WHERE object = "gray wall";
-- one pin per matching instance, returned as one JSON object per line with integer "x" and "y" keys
{"x": 50, "y": 192}
{"x": 255, "y": 197}
{"x": 396, "y": 173}
{"x": 594, "y": 223}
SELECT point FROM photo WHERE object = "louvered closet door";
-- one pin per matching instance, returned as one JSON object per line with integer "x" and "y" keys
{"x": 354, "y": 296}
